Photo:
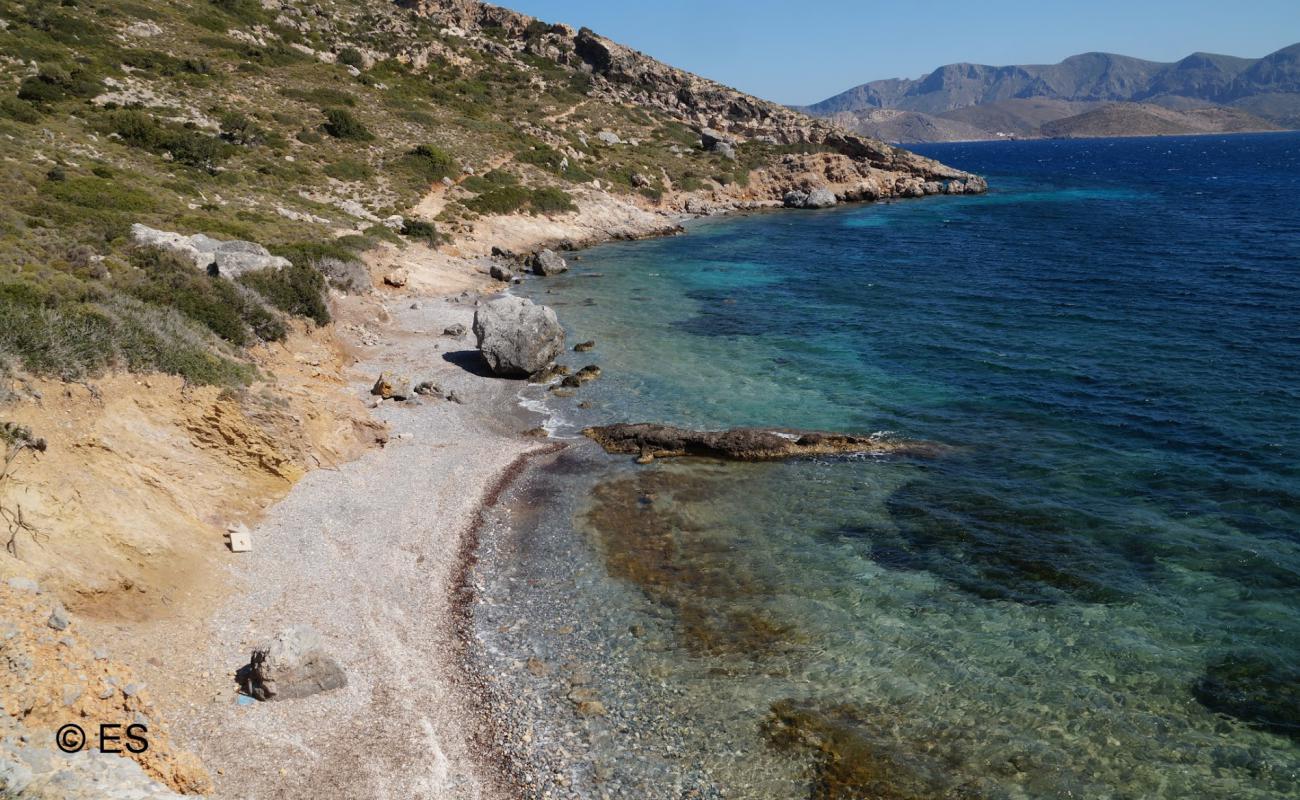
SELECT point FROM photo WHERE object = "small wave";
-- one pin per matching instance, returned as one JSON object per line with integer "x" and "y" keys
{"x": 554, "y": 421}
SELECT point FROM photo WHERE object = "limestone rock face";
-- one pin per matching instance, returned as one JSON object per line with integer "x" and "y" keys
{"x": 227, "y": 259}
{"x": 517, "y": 337}
{"x": 294, "y": 665}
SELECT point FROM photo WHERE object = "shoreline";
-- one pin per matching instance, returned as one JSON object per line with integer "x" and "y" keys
{"x": 242, "y": 745}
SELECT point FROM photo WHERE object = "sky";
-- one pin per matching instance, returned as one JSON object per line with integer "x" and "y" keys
{"x": 803, "y": 52}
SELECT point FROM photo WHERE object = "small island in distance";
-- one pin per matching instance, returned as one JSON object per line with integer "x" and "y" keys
{"x": 1088, "y": 95}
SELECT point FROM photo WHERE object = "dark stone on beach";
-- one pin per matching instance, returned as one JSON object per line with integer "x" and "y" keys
{"x": 743, "y": 444}
{"x": 294, "y": 665}
{"x": 458, "y": 330}
{"x": 500, "y": 273}
{"x": 428, "y": 389}
{"x": 584, "y": 347}
{"x": 517, "y": 337}
{"x": 1255, "y": 689}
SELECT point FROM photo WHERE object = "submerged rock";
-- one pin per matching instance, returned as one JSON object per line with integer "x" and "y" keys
{"x": 292, "y": 666}
{"x": 584, "y": 347}
{"x": 1257, "y": 690}
{"x": 743, "y": 444}
{"x": 517, "y": 337}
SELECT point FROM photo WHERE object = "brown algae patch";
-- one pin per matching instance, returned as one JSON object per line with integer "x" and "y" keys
{"x": 847, "y": 764}
{"x": 644, "y": 531}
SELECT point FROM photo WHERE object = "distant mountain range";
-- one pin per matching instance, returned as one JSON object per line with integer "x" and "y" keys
{"x": 1094, "y": 94}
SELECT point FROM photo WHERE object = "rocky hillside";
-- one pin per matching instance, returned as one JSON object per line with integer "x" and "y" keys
{"x": 1143, "y": 119}
{"x": 1020, "y": 99}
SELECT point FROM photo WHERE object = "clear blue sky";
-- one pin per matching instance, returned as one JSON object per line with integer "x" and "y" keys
{"x": 801, "y": 52}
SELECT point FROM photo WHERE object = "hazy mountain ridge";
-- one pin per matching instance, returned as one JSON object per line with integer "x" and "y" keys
{"x": 1264, "y": 91}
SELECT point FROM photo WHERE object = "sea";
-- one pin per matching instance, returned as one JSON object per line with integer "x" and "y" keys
{"x": 1088, "y": 588}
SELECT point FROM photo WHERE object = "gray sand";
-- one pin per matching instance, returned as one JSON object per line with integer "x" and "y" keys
{"x": 367, "y": 554}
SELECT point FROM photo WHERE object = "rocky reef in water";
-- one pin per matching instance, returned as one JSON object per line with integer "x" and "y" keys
{"x": 649, "y": 440}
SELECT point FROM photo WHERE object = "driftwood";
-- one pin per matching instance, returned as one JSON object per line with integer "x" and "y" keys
{"x": 649, "y": 441}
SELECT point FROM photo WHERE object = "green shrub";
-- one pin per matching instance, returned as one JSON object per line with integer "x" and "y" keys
{"x": 489, "y": 181}
{"x": 81, "y": 330}
{"x": 165, "y": 279}
{"x": 238, "y": 128}
{"x": 421, "y": 230}
{"x": 298, "y": 290}
{"x": 304, "y": 253}
{"x": 348, "y": 170}
{"x": 190, "y": 147}
{"x": 430, "y": 163}
{"x": 19, "y": 110}
{"x": 551, "y": 201}
{"x": 341, "y": 124}
{"x": 503, "y": 200}
{"x": 309, "y": 137}
{"x": 100, "y": 193}
{"x": 351, "y": 57}
{"x": 52, "y": 85}
{"x": 320, "y": 96}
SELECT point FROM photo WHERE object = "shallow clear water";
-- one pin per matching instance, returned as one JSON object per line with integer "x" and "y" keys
{"x": 1093, "y": 592}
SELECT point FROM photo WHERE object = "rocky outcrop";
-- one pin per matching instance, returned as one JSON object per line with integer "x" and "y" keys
{"x": 517, "y": 337}
{"x": 817, "y": 198}
{"x": 228, "y": 259}
{"x": 294, "y": 665}
{"x": 725, "y": 118}
{"x": 744, "y": 444}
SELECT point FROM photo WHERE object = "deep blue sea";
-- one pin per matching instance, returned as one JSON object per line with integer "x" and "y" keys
{"x": 1093, "y": 591}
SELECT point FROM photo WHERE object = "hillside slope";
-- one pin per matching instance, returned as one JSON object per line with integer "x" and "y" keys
{"x": 1142, "y": 119}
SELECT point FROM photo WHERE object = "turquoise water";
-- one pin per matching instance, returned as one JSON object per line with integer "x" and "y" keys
{"x": 1093, "y": 590}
